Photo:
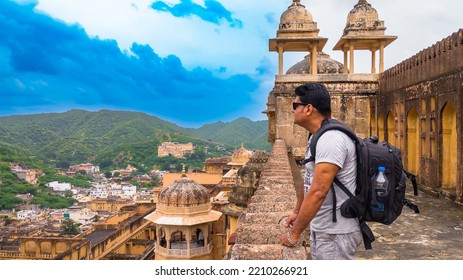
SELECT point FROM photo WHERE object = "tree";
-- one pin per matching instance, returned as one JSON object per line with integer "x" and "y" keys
{"x": 70, "y": 227}
{"x": 68, "y": 193}
{"x": 108, "y": 174}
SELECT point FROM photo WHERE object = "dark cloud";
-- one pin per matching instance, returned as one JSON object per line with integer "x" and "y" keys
{"x": 213, "y": 11}
{"x": 48, "y": 66}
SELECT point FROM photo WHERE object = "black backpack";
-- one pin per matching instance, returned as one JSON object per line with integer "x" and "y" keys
{"x": 362, "y": 204}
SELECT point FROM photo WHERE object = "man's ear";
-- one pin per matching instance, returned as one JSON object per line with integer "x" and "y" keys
{"x": 308, "y": 110}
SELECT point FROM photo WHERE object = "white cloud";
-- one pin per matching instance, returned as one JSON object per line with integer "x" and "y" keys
{"x": 418, "y": 24}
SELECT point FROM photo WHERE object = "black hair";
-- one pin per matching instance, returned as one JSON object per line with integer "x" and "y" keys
{"x": 317, "y": 95}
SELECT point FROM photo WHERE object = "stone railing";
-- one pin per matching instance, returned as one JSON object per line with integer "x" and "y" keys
{"x": 183, "y": 253}
{"x": 19, "y": 256}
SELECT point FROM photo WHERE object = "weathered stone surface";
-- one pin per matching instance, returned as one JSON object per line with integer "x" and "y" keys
{"x": 270, "y": 207}
{"x": 267, "y": 252}
{"x": 277, "y": 218}
{"x": 262, "y": 223}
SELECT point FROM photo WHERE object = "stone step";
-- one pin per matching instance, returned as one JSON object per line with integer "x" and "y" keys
{"x": 267, "y": 207}
{"x": 259, "y": 234}
{"x": 276, "y": 191}
{"x": 265, "y": 234}
{"x": 276, "y": 218}
{"x": 289, "y": 198}
{"x": 268, "y": 252}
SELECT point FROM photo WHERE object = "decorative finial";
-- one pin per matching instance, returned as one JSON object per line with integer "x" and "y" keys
{"x": 183, "y": 168}
{"x": 297, "y": 3}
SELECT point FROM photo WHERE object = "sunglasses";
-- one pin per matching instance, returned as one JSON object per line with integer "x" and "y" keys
{"x": 296, "y": 104}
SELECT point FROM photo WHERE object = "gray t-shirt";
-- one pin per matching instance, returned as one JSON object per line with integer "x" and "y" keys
{"x": 337, "y": 148}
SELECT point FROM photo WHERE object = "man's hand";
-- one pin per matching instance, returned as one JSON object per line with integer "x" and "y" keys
{"x": 290, "y": 220}
{"x": 289, "y": 224}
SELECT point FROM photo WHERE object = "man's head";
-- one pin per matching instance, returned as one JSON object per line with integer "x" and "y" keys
{"x": 316, "y": 95}
{"x": 311, "y": 105}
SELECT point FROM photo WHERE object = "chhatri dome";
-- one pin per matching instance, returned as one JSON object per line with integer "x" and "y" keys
{"x": 363, "y": 19}
{"x": 184, "y": 192}
{"x": 297, "y": 32}
{"x": 184, "y": 202}
{"x": 297, "y": 21}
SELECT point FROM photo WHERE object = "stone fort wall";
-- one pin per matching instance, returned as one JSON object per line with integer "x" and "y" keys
{"x": 419, "y": 109}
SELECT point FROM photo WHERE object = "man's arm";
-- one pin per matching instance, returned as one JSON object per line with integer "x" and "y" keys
{"x": 324, "y": 174}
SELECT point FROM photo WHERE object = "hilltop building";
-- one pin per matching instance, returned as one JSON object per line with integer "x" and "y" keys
{"x": 175, "y": 149}
{"x": 29, "y": 175}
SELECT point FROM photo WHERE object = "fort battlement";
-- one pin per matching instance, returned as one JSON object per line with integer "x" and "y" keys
{"x": 442, "y": 57}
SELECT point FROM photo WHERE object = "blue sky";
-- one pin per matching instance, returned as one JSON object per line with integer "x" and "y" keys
{"x": 186, "y": 61}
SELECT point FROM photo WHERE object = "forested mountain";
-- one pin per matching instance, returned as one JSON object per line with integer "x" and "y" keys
{"x": 117, "y": 138}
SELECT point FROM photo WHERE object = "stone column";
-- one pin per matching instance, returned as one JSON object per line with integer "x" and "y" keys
{"x": 280, "y": 60}
{"x": 168, "y": 237}
{"x": 373, "y": 61}
{"x": 206, "y": 231}
{"x": 313, "y": 61}
{"x": 381, "y": 57}
{"x": 188, "y": 240}
{"x": 351, "y": 62}
{"x": 345, "y": 51}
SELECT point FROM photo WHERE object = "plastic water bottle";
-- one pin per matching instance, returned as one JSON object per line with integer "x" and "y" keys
{"x": 381, "y": 189}
{"x": 381, "y": 183}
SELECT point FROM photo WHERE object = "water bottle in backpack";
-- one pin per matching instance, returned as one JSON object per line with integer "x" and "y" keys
{"x": 380, "y": 190}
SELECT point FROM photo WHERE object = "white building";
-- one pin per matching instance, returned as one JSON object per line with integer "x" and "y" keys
{"x": 26, "y": 214}
{"x": 59, "y": 187}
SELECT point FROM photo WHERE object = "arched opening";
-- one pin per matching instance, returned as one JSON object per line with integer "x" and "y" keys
{"x": 199, "y": 237}
{"x": 178, "y": 240}
{"x": 449, "y": 147}
{"x": 390, "y": 129}
{"x": 381, "y": 130}
{"x": 162, "y": 238}
{"x": 413, "y": 141}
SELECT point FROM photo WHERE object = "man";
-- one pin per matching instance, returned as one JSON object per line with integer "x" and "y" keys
{"x": 335, "y": 157}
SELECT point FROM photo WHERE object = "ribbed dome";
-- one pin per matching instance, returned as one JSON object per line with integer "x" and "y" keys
{"x": 241, "y": 156}
{"x": 184, "y": 192}
{"x": 325, "y": 65}
{"x": 363, "y": 17}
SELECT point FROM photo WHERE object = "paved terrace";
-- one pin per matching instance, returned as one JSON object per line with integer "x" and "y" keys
{"x": 436, "y": 233}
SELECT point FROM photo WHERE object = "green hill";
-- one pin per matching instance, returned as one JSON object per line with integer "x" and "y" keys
{"x": 253, "y": 135}
{"x": 114, "y": 139}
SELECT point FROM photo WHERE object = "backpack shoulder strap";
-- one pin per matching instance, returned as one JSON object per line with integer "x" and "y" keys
{"x": 328, "y": 124}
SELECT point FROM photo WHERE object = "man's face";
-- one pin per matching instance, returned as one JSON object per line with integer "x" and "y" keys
{"x": 298, "y": 110}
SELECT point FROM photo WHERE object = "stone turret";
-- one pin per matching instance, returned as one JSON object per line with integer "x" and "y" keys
{"x": 363, "y": 31}
{"x": 297, "y": 32}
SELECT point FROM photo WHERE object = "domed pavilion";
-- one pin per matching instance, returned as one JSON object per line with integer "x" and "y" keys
{"x": 184, "y": 219}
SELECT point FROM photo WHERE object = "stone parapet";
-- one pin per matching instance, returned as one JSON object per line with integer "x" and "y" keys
{"x": 442, "y": 57}
{"x": 262, "y": 223}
